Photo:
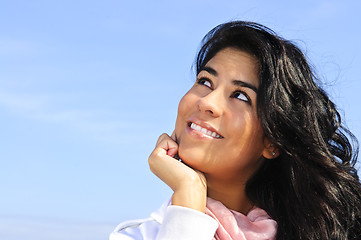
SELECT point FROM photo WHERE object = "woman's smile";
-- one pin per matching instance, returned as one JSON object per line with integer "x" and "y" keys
{"x": 202, "y": 130}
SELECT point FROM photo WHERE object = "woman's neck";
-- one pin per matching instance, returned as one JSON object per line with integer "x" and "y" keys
{"x": 231, "y": 194}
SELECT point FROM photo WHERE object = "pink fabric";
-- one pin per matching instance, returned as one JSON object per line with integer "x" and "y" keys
{"x": 257, "y": 225}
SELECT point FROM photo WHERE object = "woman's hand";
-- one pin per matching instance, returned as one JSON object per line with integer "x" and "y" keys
{"x": 189, "y": 185}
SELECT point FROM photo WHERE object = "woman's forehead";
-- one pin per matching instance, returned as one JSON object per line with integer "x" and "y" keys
{"x": 234, "y": 63}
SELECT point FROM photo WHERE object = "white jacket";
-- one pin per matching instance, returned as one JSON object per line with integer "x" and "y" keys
{"x": 168, "y": 222}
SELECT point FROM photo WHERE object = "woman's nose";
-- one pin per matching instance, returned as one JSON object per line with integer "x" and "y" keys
{"x": 211, "y": 104}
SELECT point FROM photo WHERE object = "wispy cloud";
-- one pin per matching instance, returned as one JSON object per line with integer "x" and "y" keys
{"x": 19, "y": 228}
{"x": 44, "y": 108}
{"x": 22, "y": 103}
{"x": 9, "y": 46}
{"x": 323, "y": 11}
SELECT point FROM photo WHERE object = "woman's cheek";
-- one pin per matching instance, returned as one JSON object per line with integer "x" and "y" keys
{"x": 193, "y": 157}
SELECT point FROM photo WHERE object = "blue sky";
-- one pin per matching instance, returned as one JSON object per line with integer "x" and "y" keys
{"x": 86, "y": 88}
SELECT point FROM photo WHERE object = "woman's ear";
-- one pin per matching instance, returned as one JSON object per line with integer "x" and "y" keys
{"x": 270, "y": 151}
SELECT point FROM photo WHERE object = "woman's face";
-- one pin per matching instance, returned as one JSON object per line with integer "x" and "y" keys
{"x": 217, "y": 127}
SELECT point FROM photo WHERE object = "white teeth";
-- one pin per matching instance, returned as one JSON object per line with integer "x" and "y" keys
{"x": 204, "y": 131}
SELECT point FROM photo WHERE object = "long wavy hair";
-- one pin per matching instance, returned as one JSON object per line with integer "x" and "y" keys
{"x": 311, "y": 189}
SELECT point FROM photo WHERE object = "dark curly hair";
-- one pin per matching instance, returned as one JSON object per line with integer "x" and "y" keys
{"x": 311, "y": 189}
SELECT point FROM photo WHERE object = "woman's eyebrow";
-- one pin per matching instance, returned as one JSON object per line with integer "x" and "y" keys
{"x": 209, "y": 70}
{"x": 245, "y": 84}
{"x": 235, "y": 82}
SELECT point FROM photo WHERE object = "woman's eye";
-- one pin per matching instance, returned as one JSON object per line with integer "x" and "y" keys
{"x": 205, "y": 82}
{"x": 241, "y": 96}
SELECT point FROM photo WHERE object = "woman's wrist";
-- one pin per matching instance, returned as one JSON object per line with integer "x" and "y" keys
{"x": 191, "y": 195}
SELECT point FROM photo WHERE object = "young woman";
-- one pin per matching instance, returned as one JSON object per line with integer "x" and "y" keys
{"x": 258, "y": 150}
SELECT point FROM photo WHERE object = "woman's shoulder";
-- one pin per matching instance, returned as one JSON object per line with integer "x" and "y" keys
{"x": 145, "y": 228}
{"x": 168, "y": 222}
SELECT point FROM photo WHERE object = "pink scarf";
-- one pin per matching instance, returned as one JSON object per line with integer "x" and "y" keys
{"x": 257, "y": 225}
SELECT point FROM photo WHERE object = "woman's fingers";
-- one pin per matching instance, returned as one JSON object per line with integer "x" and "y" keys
{"x": 163, "y": 164}
{"x": 189, "y": 185}
{"x": 167, "y": 144}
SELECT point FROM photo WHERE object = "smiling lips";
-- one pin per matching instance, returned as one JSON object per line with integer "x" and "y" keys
{"x": 205, "y": 131}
